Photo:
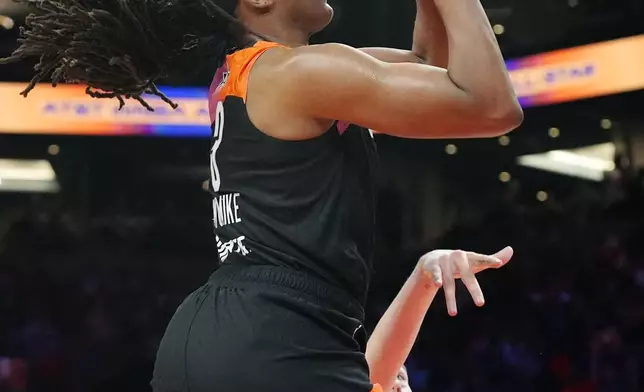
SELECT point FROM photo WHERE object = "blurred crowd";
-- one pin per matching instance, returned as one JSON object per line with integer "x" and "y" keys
{"x": 85, "y": 312}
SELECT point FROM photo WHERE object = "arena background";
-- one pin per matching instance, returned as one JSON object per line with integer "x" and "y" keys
{"x": 105, "y": 225}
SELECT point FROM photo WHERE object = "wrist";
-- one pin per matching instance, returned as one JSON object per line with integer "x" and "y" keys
{"x": 423, "y": 278}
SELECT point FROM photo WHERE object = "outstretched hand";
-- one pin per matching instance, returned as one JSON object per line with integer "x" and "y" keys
{"x": 443, "y": 267}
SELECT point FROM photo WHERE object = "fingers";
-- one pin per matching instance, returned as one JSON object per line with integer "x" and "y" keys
{"x": 505, "y": 254}
{"x": 449, "y": 284}
{"x": 446, "y": 266}
{"x": 460, "y": 260}
{"x": 485, "y": 261}
{"x": 434, "y": 271}
{"x": 480, "y": 262}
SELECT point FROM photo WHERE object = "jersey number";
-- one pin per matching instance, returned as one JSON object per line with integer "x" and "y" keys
{"x": 218, "y": 133}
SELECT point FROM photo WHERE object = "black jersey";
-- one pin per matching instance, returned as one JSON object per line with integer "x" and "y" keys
{"x": 306, "y": 205}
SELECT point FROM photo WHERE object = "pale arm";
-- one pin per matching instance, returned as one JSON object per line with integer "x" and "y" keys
{"x": 396, "y": 332}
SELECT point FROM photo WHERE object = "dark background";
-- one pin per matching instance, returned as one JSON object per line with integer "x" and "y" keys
{"x": 90, "y": 276}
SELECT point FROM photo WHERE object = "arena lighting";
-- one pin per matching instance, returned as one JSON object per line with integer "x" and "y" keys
{"x": 588, "y": 163}
{"x": 505, "y": 177}
{"x": 554, "y": 132}
{"x": 33, "y": 176}
{"x": 606, "y": 124}
{"x": 54, "y": 149}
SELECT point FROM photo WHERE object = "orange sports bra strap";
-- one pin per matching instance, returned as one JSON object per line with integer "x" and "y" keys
{"x": 239, "y": 65}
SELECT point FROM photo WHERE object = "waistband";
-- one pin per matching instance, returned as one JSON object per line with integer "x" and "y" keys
{"x": 299, "y": 284}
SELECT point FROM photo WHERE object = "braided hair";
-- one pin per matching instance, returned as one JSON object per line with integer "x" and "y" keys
{"x": 122, "y": 48}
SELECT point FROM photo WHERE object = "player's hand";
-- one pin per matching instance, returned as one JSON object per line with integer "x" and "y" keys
{"x": 402, "y": 382}
{"x": 443, "y": 267}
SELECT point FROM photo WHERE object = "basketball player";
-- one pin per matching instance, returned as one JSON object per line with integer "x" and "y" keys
{"x": 293, "y": 171}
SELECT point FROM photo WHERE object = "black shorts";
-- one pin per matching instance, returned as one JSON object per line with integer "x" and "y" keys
{"x": 268, "y": 329}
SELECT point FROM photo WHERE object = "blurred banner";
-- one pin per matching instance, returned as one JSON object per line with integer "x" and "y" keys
{"x": 578, "y": 73}
{"x": 68, "y": 110}
{"x": 560, "y": 76}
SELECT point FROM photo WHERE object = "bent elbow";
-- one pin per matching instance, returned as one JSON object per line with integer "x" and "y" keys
{"x": 513, "y": 117}
{"x": 500, "y": 122}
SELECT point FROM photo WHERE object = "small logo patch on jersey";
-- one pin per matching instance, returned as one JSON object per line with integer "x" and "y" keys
{"x": 224, "y": 79}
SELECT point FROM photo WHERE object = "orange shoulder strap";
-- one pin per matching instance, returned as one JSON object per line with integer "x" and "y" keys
{"x": 239, "y": 65}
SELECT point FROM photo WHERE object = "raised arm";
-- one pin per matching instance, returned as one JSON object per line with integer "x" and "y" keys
{"x": 429, "y": 45}
{"x": 473, "y": 97}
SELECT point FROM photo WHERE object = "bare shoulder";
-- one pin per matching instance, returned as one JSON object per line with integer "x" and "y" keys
{"x": 308, "y": 76}
{"x": 275, "y": 83}
{"x": 309, "y": 61}
{"x": 307, "y": 52}
{"x": 328, "y": 60}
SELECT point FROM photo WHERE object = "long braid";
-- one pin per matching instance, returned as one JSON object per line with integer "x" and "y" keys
{"x": 121, "y": 48}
